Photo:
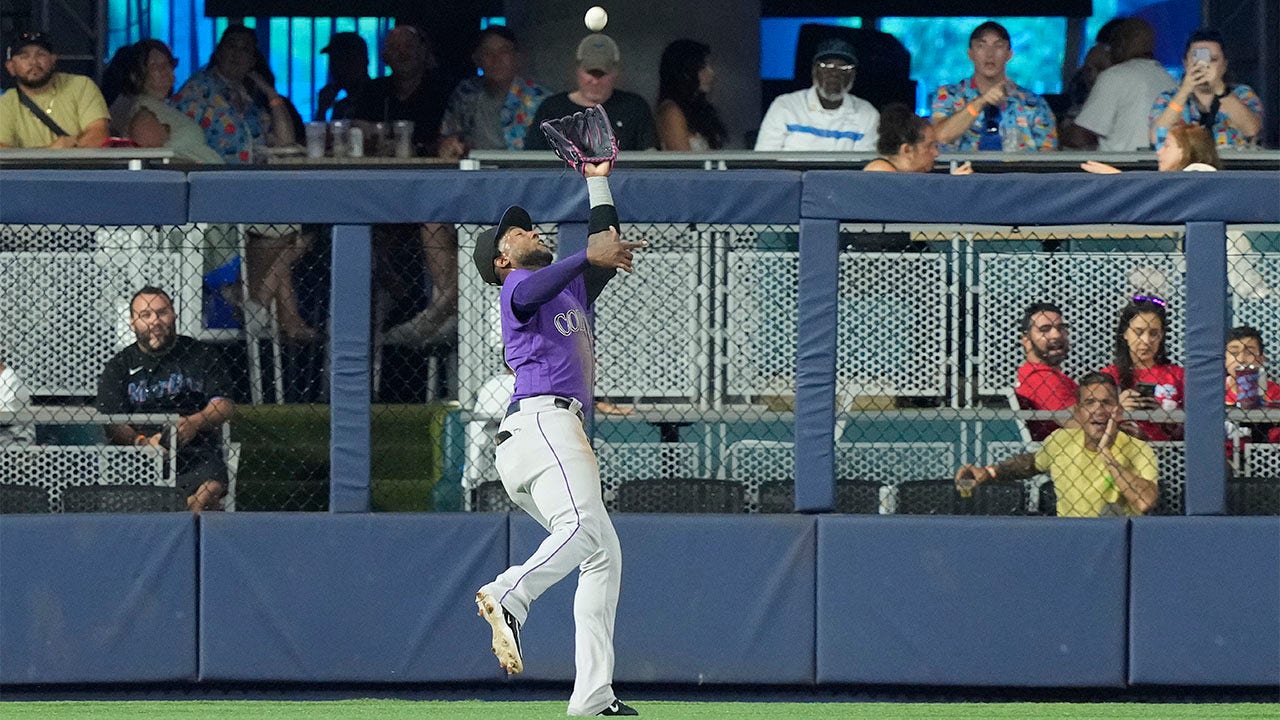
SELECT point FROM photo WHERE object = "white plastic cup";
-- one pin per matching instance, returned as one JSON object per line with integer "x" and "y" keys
{"x": 355, "y": 142}
{"x": 317, "y": 132}
{"x": 338, "y": 130}
{"x": 402, "y": 131}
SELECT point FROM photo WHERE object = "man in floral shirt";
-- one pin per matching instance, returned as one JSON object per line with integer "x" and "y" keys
{"x": 493, "y": 111}
{"x": 989, "y": 111}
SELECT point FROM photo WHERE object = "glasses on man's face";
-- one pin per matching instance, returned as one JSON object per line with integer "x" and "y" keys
{"x": 838, "y": 67}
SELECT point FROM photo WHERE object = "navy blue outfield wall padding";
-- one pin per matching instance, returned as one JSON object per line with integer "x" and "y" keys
{"x": 349, "y": 378}
{"x": 1030, "y": 602}
{"x": 705, "y": 599}
{"x": 93, "y": 197}
{"x": 1206, "y": 325}
{"x": 815, "y": 418}
{"x": 1043, "y": 199}
{"x": 97, "y": 598}
{"x": 1204, "y": 601}
{"x": 346, "y": 597}
{"x": 360, "y": 196}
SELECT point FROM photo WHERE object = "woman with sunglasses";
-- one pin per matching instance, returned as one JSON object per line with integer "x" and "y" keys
{"x": 1141, "y": 366}
{"x": 137, "y": 84}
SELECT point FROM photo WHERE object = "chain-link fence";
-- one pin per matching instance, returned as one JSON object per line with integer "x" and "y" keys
{"x": 939, "y": 366}
{"x": 121, "y": 346}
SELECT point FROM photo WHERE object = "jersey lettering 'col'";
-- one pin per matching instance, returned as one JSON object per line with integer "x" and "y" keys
{"x": 552, "y": 352}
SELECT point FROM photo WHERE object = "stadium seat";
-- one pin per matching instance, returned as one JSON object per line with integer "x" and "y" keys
{"x": 23, "y": 499}
{"x": 491, "y": 496}
{"x": 1253, "y": 496}
{"x": 998, "y": 498}
{"x": 858, "y": 497}
{"x": 680, "y": 495}
{"x": 927, "y": 497}
{"x": 122, "y": 499}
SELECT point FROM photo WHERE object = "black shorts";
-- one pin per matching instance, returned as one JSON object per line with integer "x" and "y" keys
{"x": 195, "y": 471}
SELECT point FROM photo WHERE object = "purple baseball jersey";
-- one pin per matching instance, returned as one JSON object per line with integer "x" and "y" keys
{"x": 551, "y": 352}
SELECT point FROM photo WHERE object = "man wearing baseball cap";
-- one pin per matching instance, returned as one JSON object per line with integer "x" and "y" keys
{"x": 543, "y": 456}
{"x": 348, "y": 71}
{"x": 824, "y": 116}
{"x": 598, "y": 65}
{"x": 48, "y": 109}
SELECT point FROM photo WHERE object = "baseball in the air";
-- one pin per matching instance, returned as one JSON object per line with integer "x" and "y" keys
{"x": 596, "y": 18}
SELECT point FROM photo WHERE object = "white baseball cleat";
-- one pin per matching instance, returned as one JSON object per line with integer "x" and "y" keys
{"x": 506, "y": 632}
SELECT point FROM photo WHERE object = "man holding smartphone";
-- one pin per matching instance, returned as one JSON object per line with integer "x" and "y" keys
{"x": 1231, "y": 113}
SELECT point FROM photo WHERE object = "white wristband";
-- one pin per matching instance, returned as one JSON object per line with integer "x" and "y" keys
{"x": 598, "y": 191}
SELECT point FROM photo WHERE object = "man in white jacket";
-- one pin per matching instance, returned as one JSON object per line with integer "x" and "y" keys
{"x": 824, "y": 116}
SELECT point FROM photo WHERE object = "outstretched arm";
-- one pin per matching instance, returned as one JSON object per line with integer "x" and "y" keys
{"x": 603, "y": 216}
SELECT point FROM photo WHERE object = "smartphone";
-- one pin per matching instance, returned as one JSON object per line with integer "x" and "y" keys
{"x": 1201, "y": 55}
{"x": 1145, "y": 390}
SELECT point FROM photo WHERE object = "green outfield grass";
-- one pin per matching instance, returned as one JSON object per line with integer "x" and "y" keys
{"x": 478, "y": 710}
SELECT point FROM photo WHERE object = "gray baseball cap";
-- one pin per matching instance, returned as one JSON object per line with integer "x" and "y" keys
{"x": 598, "y": 52}
{"x": 486, "y": 250}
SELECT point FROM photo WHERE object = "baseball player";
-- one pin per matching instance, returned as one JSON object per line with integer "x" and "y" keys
{"x": 543, "y": 457}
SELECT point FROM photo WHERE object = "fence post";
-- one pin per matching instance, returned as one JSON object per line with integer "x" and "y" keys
{"x": 815, "y": 419}
{"x": 349, "y": 373}
{"x": 1206, "y": 332}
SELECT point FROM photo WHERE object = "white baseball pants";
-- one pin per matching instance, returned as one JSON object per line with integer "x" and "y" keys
{"x": 549, "y": 469}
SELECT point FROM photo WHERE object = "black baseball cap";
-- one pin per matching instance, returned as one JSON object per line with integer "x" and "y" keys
{"x": 25, "y": 39}
{"x": 486, "y": 249}
{"x": 835, "y": 47}
{"x": 347, "y": 42}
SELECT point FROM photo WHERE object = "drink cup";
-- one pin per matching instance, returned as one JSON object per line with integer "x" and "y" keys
{"x": 338, "y": 130}
{"x": 317, "y": 133}
{"x": 1247, "y": 387}
{"x": 355, "y": 142}
{"x": 402, "y": 132}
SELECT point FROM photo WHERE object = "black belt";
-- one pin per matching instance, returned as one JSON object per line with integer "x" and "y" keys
{"x": 563, "y": 403}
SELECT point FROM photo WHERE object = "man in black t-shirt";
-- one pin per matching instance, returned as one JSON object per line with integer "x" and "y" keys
{"x": 413, "y": 91}
{"x": 164, "y": 372}
{"x": 598, "y": 64}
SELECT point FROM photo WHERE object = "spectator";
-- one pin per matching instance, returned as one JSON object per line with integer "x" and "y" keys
{"x": 823, "y": 116}
{"x": 46, "y": 108}
{"x": 1231, "y": 113}
{"x": 1097, "y": 470}
{"x": 989, "y": 111}
{"x": 348, "y": 73}
{"x": 1041, "y": 384}
{"x": 165, "y": 372}
{"x": 1096, "y": 60}
{"x": 1141, "y": 366}
{"x": 412, "y": 92}
{"x": 1245, "y": 348}
{"x": 1187, "y": 147}
{"x": 135, "y": 85}
{"x": 1115, "y": 117}
{"x": 907, "y": 143}
{"x": 494, "y": 111}
{"x": 14, "y": 397}
{"x": 599, "y": 64}
{"x": 686, "y": 118}
{"x": 238, "y": 108}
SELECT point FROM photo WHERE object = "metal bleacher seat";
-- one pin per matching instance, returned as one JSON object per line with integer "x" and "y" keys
{"x": 926, "y": 497}
{"x": 122, "y": 499}
{"x": 623, "y": 462}
{"x": 680, "y": 495}
{"x": 23, "y": 499}
{"x": 55, "y": 468}
{"x": 1253, "y": 496}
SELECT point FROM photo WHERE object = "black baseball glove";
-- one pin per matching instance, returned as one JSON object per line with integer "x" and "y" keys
{"x": 583, "y": 137}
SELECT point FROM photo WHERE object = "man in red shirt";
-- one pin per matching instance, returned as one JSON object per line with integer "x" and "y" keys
{"x": 1041, "y": 383}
